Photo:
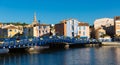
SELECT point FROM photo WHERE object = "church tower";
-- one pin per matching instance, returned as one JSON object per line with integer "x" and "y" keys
{"x": 35, "y": 20}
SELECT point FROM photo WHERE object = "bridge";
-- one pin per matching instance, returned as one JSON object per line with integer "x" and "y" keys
{"x": 41, "y": 41}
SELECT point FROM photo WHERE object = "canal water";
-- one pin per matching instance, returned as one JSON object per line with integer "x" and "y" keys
{"x": 105, "y": 55}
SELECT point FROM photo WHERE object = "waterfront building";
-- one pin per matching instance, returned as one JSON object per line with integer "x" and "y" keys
{"x": 72, "y": 28}
{"x": 107, "y": 24}
{"x": 36, "y": 29}
{"x": 83, "y": 30}
{"x": 117, "y": 25}
{"x": 67, "y": 28}
{"x": 9, "y": 31}
{"x": 60, "y": 28}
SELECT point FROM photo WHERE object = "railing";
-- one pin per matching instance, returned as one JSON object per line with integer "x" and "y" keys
{"x": 41, "y": 41}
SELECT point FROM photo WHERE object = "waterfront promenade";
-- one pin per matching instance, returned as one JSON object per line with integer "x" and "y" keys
{"x": 111, "y": 43}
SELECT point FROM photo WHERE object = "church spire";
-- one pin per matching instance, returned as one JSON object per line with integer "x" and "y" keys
{"x": 35, "y": 19}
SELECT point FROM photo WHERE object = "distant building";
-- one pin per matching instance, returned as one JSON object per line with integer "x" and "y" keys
{"x": 1, "y": 25}
{"x": 72, "y": 28}
{"x": 36, "y": 29}
{"x": 103, "y": 22}
{"x": 117, "y": 25}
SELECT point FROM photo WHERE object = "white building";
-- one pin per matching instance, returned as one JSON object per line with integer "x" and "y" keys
{"x": 103, "y": 22}
{"x": 72, "y": 27}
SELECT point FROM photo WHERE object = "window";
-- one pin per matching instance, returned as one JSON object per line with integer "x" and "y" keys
{"x": 65, "y": 22}
{"x": 40, "y": 27}
{"x": 46, "y": 31}
{"x": 43, "y": 31}
{"x": 79, "y": 28}
{"x": 83, "y": 33}
{"x": 118, "y": 25}
{"x": 79, "y": 32}
{"x": 39, "y": 31}
{"x": 118, "y": 31}
{"x": 72, "y": 34}
{"x": 83, "y": 27}
{"x": 72, "y": 27}
{"x": 10, "y": 30}
{"x": 44, "y": 27}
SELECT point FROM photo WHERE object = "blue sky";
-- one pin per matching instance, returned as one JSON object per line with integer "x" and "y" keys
{"x": 53, "y": 11}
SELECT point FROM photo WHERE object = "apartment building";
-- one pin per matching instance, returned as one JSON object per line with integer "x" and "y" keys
{"x": 72, "y": 28}
{"x": 117, "y": 25}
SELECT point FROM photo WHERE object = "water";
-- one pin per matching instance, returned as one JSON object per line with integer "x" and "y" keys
{"x": 77, "y": 56}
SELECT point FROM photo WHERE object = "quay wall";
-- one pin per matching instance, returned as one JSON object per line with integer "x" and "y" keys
{"x": 111, "y": 43}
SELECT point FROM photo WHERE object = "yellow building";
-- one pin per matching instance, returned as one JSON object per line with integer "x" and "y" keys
{"x": 9, "y": 31}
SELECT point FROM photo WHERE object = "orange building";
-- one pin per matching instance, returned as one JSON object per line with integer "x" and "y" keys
{"x": 60, "y": 28}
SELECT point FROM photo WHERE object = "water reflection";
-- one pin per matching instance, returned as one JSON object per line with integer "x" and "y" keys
{"x": 79, "y": 56}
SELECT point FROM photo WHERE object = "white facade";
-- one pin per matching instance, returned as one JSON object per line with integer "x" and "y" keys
{"x": 72, "y": 27}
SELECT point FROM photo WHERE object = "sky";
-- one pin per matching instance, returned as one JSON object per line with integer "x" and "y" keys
{"x": 54, "y": 11}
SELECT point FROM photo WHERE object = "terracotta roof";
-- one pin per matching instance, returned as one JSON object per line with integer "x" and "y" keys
{"x": 83, "y": 24}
